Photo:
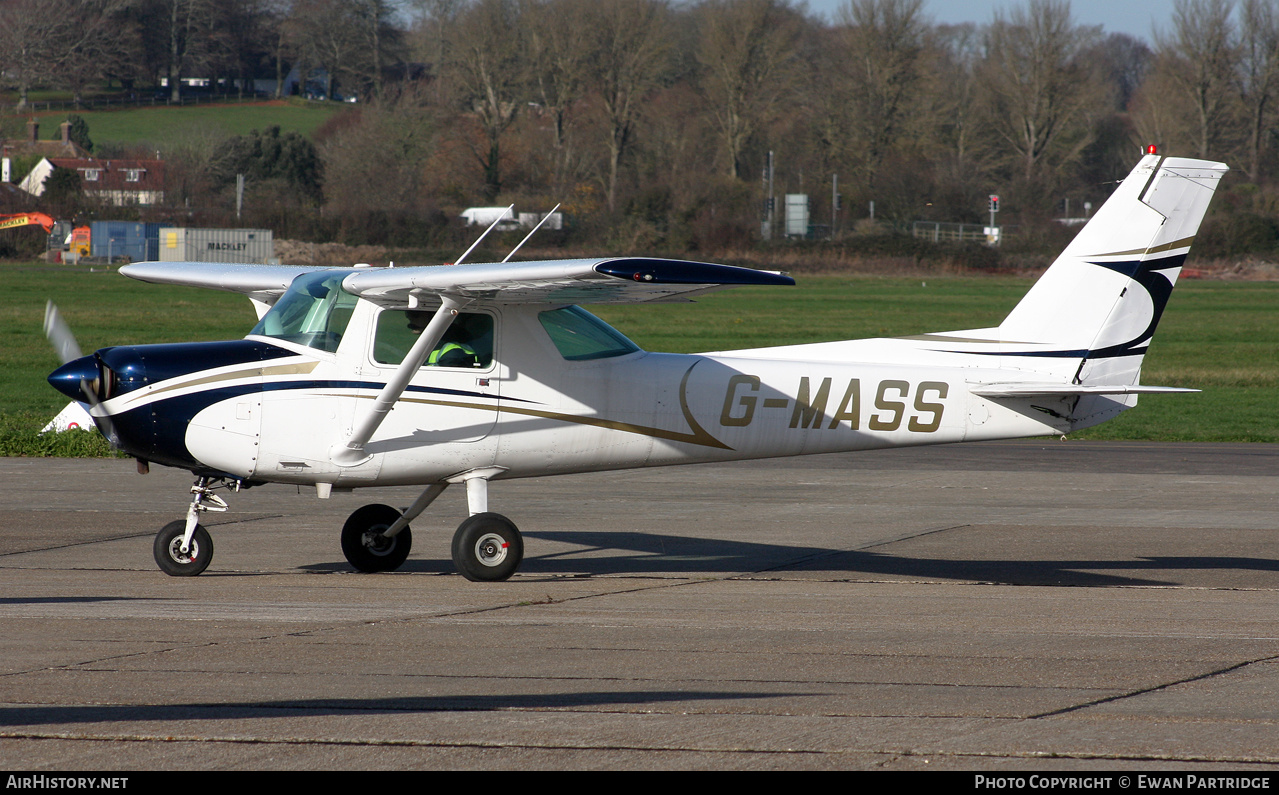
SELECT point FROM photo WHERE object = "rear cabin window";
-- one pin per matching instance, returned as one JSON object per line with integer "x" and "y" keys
{"x": 467, "y": 343}
{"x": 579, "y": 336}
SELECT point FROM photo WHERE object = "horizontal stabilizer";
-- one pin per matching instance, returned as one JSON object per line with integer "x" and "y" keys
{"x": 1022, "y": 390}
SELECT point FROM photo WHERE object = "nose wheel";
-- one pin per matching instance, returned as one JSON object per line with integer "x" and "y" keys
{"x": 177, "y": 563}
{"x": 184, "y": 548}
{"x": 487, "y": 547}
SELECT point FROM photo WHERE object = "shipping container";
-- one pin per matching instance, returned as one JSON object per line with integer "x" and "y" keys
{"x": 797, "y": 215}
{"x": 183, "y": 244}
{"x": 121, "y": 240}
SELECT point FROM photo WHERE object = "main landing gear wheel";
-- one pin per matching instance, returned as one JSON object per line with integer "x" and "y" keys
{"x": 170, "y": 557}
{"x": 487, "y": 547}
{"x": 364, "y": 545}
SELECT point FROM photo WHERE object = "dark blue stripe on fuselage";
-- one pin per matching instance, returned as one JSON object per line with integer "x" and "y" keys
{"x": 157, "y": 431}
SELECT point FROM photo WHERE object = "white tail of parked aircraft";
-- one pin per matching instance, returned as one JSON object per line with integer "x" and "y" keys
{"x": 468, "y": 374}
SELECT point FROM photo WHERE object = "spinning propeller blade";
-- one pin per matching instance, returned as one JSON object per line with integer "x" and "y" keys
{"x": 64, "y": 342}
{"x": 59, "y": 333}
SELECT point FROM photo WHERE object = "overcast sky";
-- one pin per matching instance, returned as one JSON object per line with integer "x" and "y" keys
{"x": 1116, "y": 16}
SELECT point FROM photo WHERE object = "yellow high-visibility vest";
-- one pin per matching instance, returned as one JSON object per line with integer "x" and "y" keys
{"x": 448, "y": 347}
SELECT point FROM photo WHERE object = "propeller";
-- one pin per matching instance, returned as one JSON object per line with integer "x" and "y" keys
{"x": 87, "y": 370}
{"x": 59, "y": 333}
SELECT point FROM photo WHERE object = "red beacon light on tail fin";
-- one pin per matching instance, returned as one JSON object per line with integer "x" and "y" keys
{"x": 1151, "y": 149}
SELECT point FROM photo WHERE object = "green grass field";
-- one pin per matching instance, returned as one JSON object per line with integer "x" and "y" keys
{"x": 156, "y": 125}
{"x": 1220, "y": 337}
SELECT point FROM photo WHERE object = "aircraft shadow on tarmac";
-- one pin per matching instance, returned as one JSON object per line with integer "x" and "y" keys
{"x": 635, "y": 553}
{"x": 96, "y": 713}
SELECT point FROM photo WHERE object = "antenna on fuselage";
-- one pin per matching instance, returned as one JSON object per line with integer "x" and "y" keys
{"x": 530, "y": 234}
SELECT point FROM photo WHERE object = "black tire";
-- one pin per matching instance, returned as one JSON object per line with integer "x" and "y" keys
{"x": 364, "y": 545}
{"x": 168, "y": 550}
{"x": 487, "y": 547}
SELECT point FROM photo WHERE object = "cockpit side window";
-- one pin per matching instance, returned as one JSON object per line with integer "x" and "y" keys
{"x": 467, "y": 343}
{"x": 314, "y": 311}
{"x": 579, "y": 336}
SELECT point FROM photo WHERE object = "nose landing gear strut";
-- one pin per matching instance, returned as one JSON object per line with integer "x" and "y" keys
{"x": 183, "y": 548}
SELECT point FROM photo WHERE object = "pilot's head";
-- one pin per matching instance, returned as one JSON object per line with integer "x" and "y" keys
{"x": 418, "y": 321}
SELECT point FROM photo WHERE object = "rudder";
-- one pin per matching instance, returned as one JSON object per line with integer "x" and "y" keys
{"x": 1096, "y": 308}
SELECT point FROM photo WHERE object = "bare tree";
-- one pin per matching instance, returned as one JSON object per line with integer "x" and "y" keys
{"x": 1198, "y": 60}
{"x": 1258, "y": 75}
{"x": 373, "y": 21}
{"x": 324, "y": 34}
{"x": 1040, "y": 93}
{"x": 887, "y": 43}
{"x": 57, "y": 42}
{"x": 960, "y": 163}
{"x": 633, "y": 49}
{"x": 955, "y": 96}
{"x": 562, "y": 51}
{"x": 749, "y": 53}
{"x": 375, "y": 162}
{"x": 276, "y": 37}
{"x": 431, "y": 30}
{"x": 188, "y": 26}
{"x": 485, "y": 64}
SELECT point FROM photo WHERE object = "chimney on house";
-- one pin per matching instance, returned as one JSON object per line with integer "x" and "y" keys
{"x": 65, "y": 127}
{"x": 33, "y": 130}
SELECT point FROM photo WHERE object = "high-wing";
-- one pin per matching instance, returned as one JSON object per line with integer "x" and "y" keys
{"x": 265, "y": 283}
{"x": 573, "y": 281}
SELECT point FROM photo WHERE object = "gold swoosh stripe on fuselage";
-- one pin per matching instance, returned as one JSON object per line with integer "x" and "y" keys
{"x": 302, "y": 368}
{"x": 698, "y": 435}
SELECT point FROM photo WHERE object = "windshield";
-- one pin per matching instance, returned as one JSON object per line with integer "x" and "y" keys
{"x": 313, "y": 312}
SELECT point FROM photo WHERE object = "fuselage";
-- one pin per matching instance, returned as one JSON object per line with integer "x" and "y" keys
{"x": 544, "y": 400}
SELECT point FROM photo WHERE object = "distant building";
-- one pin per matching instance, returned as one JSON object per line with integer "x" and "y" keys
{"x": 508, "y": 220}
{"x": 32, "y": 145}
{"x": 117, "y": 182}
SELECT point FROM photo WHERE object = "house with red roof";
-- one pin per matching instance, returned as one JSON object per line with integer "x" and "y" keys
{"x": 117, "y": 182}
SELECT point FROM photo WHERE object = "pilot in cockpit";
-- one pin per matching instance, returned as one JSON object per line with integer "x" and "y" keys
{"x": 460, "y": 345}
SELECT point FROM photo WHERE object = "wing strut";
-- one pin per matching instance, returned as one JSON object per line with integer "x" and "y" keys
{"x": 351, "y": 452}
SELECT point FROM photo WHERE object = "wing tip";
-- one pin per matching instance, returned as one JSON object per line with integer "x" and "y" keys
{"x": 653, "y": 270}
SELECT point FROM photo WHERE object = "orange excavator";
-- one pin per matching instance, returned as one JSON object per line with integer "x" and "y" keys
{"x": 70, "y": 239}
{"x": 23, "y": 219}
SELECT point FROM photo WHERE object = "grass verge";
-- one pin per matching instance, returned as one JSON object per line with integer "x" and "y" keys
{"x": 156, "y": 125}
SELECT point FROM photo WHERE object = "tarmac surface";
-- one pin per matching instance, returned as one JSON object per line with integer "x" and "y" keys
{"x": 1005, "y": 607}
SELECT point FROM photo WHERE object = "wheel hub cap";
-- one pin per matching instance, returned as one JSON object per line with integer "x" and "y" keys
{"x": 377, "y": 543}
{"x": 175, "y": 550}
{"x": 491, "y": 549}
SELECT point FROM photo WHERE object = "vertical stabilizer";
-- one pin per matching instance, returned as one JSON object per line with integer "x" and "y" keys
{"x": 1090, "y": 318}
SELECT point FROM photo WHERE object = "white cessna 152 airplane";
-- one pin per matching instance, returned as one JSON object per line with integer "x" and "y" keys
{"x": 428, "y": 376}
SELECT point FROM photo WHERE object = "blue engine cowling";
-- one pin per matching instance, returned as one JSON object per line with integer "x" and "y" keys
{"x": 157, "y": 430}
